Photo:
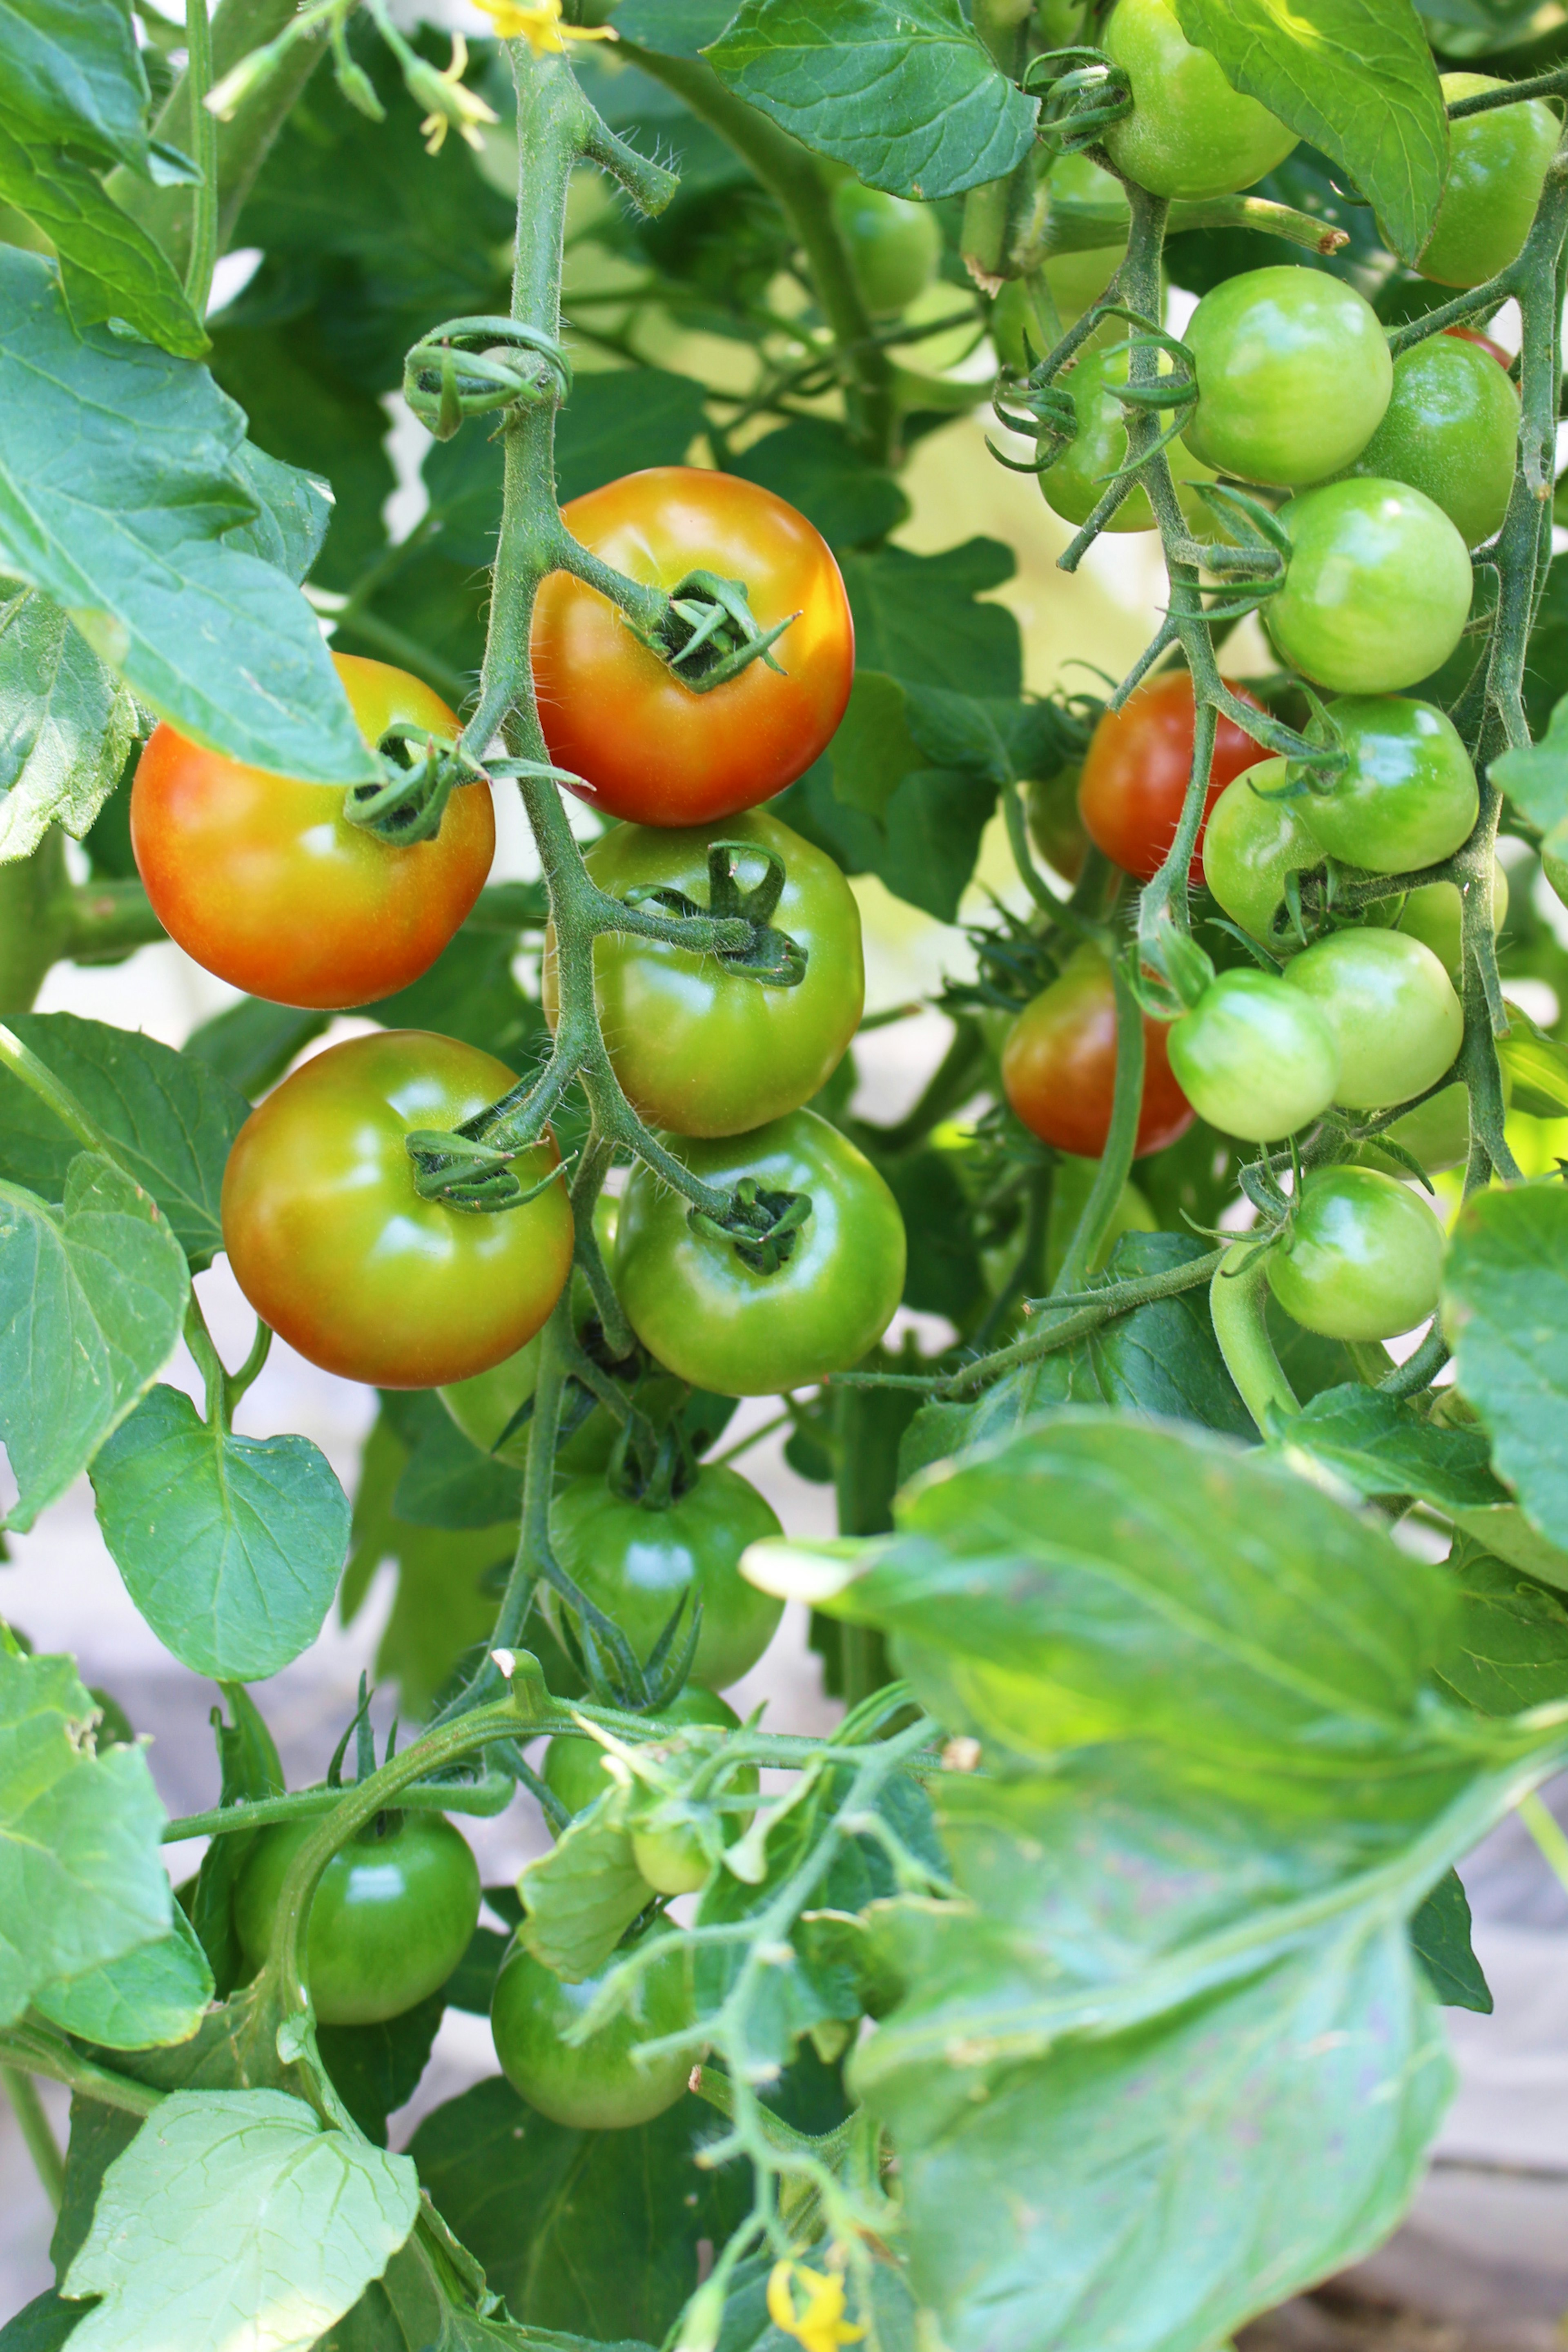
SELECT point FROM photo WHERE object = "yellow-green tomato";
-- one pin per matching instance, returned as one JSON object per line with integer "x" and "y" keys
{"x": 638, "y": 1564}
{"x": 1378, "y": 587}
{"x": 894, "y": 246}
{"x": 1392, "y": 1011}
{"x": 1293, "y": 376}
{"x": 392, "y": 1914}
{"x": 1189, "y": 133}
{"x": 1434, "y": 915}
{"x": 1075, "y": 485}
{"x": 1362, "y": 1259}
{"x": 1254, "y": 1057}
{"x": 701, "y": 1044}
{"x": 1497, "y": 168}
{"x": 598, "y": 2085}
{"x": 1450, "y": 430}
{"x": 1406, "y": 797}
{"x": 1252, "y": 841}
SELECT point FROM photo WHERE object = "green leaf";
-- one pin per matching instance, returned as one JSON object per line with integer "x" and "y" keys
{"x": 130, "y": 538}
{"x": 597, "y": 2232}
{"x": 935, "y": 822}
{"x": 149, "y": 1998}
{"x": 235, "y": 2211}
{"x": 82, "y": 1881}
{"x": 1535, "y": 775}
{"x": 109, "y": 267}
{"x": 917, "y": 617}
{"x": 251, "y": 1043}
{"x": 873, "y": 750}
{"x": 1440, "y": 1938}
{"x": 902, "y": 90}
{"x": 230, "y": 1546}
{"x": 44, "y": 2325}
{"x": 170, "y": 1117}
{"x": 470, "y": 991}
{"x": 77, "y": 74}
{"x": 303, "y": 409}
{"x": 1509, "y": 1649}
{"x": 1505, "y": 1311}
{"x": 678, "y": 29}
{"x": 249, "y": 1767}
{"x": 293, "y": 512}
{"x": 1537, "y": 1066}
{"x": 375, "y": 2069}
{"x": 447, "y": 1481}
{"x": 92, "y": 1298}
{"x": 811, "y": 463}
{"x": 474, "y": 1983}
{"x": 1380, "y": 1446}
{"x": 579, "y": 1899}
{"x": 1357, "y": 79}
{"x": 66, "y": 726}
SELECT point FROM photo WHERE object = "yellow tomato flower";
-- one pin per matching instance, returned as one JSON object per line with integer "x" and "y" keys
{"x": 538, "y": 22}
{"x": 821, "y": 2326}
{"x": 448, "y": 102}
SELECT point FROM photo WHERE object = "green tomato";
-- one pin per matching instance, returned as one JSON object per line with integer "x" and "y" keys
{"x": 1451, "y": 431}
{"x": 595, "y": 2085}
{"x": 574, "y": 1765}
{"x": 1076, "y": 280}
{"x": 1408, "y": 796}
{"x": 698, "y": 1045}
{"x": 1250, "y": 1063}
{"x": 636, "y": 1564}
{"x": 1434, "y": 915}
{"x": 1189, "y": 133}
{"x": 1497, "y": 168}
{"x": 1378, "y": 587}
{"x": 894, "y": 246}
{"x": 1075, "y": 485}
{"x": 1293, "y": 376}
{"x": 393, "y": 1913}
{"x": 718, "y": 1321}
{"x": 1392, "y": 1011}
{"x": 673, "y": 1858}
{"x": 1362, "y": 1259}
{"x": 1252, "y": 842}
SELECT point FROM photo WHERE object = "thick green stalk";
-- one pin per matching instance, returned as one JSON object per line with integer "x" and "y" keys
{"x": 204, "y": 147}
{"x": 44, "y": 916}
{"x": 1116, "y": 1159}
{"x": 1238, "y": 1297}
{"x": 37, "y": 2131}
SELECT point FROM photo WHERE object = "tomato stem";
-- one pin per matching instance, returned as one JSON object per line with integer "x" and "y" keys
{"x": 1238, "y": 1297}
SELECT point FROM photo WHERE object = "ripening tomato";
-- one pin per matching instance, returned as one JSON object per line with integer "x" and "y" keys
{"x": 1485, "y": 342}
{"x": 1406, "y": 798}
{"x": 1254, "y": 838}
{"x": 645, "y": 746}
{"x": 263, "y": 881}
{"x": 894, "y": 246}
{"x": 1378, "y": 587}
{"x": 1074, "y": 485}
{"x": 1293, "y": 376}
{"x": 1497, "y": 168}
{"x": 1135, "y": 772}
{"x": 699, "y": 1045}
{"x": 1189, "y": 133}
{"x": 1256, "y": 1059}
{"x": 1392, "y": 1007}
{"x": 332, "y": 1245}
{"x": 598, "y": 2085}
{"x": 1362, "y": 1257}
{"x": 1450, "y": 430}
{"x": 1058, "y": 1065}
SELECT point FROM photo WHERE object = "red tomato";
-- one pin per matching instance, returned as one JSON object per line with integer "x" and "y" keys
{"x": 1474, "y": 335}
{"x": 1058, "y": 1065}
{"x": 1135, "y": 774}
{"x": 262, "y": 880}
{"x": 646, "y": 747}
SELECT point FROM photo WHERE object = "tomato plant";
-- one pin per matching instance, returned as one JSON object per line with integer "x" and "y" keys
{"x": 1058, "y": 1065}
{"x": 267, "y": 881}
{"x": 330, "y": 1242}
{"x": 1256, "y": 835}
{"x": 1361, "y": 1258}
{"x": 1392, "y": 1008}
{"x": 1075, "y": 484}
{"x": 596, "y": 2085}
{"x": 1377, "y": 588}
{"x": 389, "y": 1921}
{"x": 1407, "y": 796}
{"x": 698, "y": 1045}
{"x": 1135, "y": 772}
{"x": 1450, "y": 431}
{"x": 645, "y": 745}
{"x": 1293, "y": 376}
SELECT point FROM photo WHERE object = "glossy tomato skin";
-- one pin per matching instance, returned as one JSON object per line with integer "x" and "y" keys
{"x": 332, "y": 1247}
{"x": 699, "y": 1046}
{"x": 1189, "y": 133}
{"x": 595, "y": 2085}
{"x": 390, "y": 1920}
{"x": 1451, "y": 431}
{"x": 1256, "y": 1060}
{"x": 645, "y": 747}
{"x": 1252, "y": 841}
{"x": 1362, "y": 1258}
{"x": 716, "y": 1322}
{"x": 1058, "y": 1065}
{"x": 638, "y": 1565}
{"x": 1497, "y": 167}
{"x": 1293, "y": 376}
{"x": 1378, "y": 587}
{"x": 1075, "y": 485}
{"x": 261, "y": 881}
{"x": 894, "y": 246}
{"x": 1408, "y": 797}
{"x": 574, "y": 1766}
{"x": 1392, "y": 1007}
{"x": 1135, "y": 772}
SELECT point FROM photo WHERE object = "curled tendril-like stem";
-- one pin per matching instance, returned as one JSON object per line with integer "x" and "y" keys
{"x": 707, "y": 633}
{"x": 1081, "y": 94}
{"x": 469, "y": 367}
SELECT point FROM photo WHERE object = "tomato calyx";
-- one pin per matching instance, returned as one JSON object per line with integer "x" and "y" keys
{"x": 763, "y": 1226}
{"x": 420, "y": 777}
{"x": 468, "y": 366}
{"x": 770, "y": 957}
{"x": 471, "y": 1171}
{"x": 1081, "y": 94}
{"x": 708, "y": 634}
